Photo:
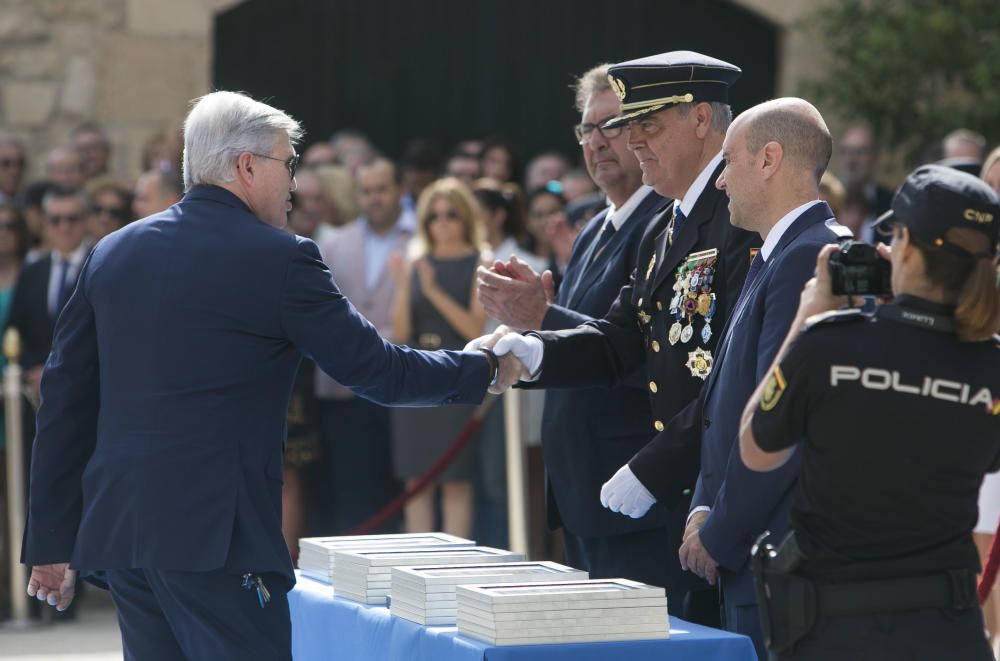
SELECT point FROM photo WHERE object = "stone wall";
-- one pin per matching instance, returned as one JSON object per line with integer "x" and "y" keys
{"x": 133, "y": 65}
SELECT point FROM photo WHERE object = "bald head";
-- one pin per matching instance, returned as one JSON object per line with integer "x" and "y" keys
{"x": 797, "y": 126}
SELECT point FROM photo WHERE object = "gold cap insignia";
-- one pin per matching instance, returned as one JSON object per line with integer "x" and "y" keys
{"x": 700, "y": 363}
{"x": 774, "y": 387}
{"x": 977, "y": 216}
{"x": 618, "y": 86}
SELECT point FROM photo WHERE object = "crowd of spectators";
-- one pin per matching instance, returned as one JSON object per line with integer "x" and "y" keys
{"x": 402, "y": 239}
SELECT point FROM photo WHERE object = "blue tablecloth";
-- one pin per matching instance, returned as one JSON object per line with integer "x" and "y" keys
{"x": 324, "y": 627}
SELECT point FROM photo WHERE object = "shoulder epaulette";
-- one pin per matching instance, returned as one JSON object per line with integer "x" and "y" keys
{"x": 833, "y": 317}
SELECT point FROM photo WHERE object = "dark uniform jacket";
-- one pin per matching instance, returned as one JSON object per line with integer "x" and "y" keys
{"x": 164, "y": 400}
{"x": 743, "y": 503}
{"x": 635, "y": 331}
{"x": 588, "y": 433}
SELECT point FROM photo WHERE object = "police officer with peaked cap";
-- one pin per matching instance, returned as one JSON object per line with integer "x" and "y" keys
{"x": 691, "y": 266}
{"x": 898, "y": 415}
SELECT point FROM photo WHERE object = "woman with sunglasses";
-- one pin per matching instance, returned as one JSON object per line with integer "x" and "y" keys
{"x": 110, "y": 209}
{"x": 436, "y": 308}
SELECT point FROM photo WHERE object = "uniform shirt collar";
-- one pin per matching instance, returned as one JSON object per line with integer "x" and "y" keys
{"x": 619, "y": 216}
{"x": 698, "y": 187}
{"x": 781, "y": 227}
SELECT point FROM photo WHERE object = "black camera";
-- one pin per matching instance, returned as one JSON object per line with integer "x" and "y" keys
{"x": 857, "y": 270}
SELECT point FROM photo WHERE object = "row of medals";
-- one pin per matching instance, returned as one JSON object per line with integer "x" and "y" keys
{"x": 692, "y": 296}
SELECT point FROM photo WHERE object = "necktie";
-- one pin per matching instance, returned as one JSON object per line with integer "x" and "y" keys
{"x": 679, "y": 219}
{"x": 755, "y": 266}
{"x": 62, "y": 287}
{"x": 602, "y": 240}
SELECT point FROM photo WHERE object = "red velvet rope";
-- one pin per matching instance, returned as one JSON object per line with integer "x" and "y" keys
{"x": 989, "y": 577}
{"x": 461, "y": 440}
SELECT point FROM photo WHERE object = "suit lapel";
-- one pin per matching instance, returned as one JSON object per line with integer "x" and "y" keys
{"x": 815, "y": 214}
{"x": 591, "y": 270}
{"x": 702, "y": 212}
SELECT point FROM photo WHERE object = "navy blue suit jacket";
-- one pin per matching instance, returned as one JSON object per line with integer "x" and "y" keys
{"x": 160, "y": 434}
{"x": 745, "y": 503}
{"x": 29, "y": 312}
{"x": 588, "y": 433}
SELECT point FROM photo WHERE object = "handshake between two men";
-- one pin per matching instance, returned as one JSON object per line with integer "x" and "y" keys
{"x": 514, "y": 293}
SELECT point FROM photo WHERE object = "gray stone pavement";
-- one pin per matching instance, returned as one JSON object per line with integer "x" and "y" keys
{"x": 92, "y": 636}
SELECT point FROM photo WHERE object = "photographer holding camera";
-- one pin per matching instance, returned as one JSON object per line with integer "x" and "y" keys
{"x": 880, "y": 563}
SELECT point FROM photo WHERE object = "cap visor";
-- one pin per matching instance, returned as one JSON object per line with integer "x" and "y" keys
{"x": 883, "y": 224}
{"x": 626, "y": 117}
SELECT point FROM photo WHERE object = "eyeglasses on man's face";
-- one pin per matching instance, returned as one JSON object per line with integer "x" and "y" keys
{"x": 11, "y": 163}
{"x": 292, "y": 163}
{"x": 585, "y": 130}
{"x": 68, "y": 218}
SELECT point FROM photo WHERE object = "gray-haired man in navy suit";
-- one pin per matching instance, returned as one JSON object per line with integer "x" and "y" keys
{"x": 158, "y": 456}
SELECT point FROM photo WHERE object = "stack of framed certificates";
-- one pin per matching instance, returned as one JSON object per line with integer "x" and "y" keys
{"x": 426, "y": 594}
{"x": 317, "y": 554}
{"x": 562, "y": 612}
{"x": 366, "y": 576}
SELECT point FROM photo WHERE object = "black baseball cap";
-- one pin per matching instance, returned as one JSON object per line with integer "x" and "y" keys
{"x": 935, "y": 198}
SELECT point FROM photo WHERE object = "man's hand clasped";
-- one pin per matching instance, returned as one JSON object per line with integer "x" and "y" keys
{"x": 518, "y": 355}
{"x": 694, "y": 556}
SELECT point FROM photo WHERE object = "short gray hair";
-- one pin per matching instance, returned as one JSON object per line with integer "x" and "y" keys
{"x": 224, "y": 124}
{"x": 722, "y": 115}
{"x": 593, "y": 81}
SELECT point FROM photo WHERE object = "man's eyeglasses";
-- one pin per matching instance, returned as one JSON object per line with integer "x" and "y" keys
{"x": 292, "y": 163}
{"x": 69, "y": 219}
{"x": 6, "y": 163}
{"x": 584, "y": 131}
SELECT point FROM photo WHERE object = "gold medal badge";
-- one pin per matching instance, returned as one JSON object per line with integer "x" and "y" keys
{"x": 700, "y": 363}
{"x": 774, "y": 387}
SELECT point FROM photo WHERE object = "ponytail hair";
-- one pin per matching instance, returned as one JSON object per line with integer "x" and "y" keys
{"x": 969, "y": 273}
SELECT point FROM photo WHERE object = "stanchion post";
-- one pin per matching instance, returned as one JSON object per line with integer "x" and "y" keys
{"x": 12, "y": 390}
{"x": 517, "y": 474}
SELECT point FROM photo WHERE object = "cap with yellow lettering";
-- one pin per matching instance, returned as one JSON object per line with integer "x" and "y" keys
{"x": 935, "y": 198}
{"x": 653, "y": 83}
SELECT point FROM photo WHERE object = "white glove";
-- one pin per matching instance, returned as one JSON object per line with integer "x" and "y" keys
{"x": 625, "y": 494}
{"x": 474, "y": 345}
{"x": 526, "y": 348}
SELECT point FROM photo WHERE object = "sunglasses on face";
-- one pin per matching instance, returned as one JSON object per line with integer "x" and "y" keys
{"x": 8, "y": 227}
{"x": 450, "y": 215}
{"x": 6, "y": 163}
{"x": 292, "y": 163}
{"x": 114, "y": 212}
{"x": 69, "y": 219}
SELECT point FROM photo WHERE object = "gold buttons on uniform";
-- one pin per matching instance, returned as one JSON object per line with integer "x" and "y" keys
{"x": 659, "y": 306}
{"x": 652, "y": 386}
{"x": 658, "y": 426}
{"x": 656, "y": 346}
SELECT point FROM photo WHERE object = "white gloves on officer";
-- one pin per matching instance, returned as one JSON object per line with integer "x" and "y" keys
{"x": 625, "y": 494}
{"x": 526, "y": 348}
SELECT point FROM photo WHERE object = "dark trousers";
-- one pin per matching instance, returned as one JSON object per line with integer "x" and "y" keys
{"x": 641, "y": 556}
{"x": 927, "y": 635}
{"x": 188, "y": 616}
{"x": 358, "y": 477}
{"x": 744, "y": 620}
